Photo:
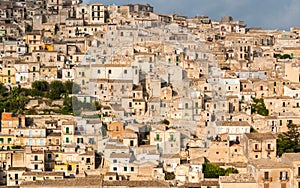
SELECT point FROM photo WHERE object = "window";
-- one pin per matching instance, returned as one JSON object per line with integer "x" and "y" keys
{"x": 79, "y": 140}
{"x": 109, "y": 71}
{"x": 67, "y": 140}
{"x": 274, "y": 83}
{"x": 115, "y": 169}
{"x": 67, "y": 130}
{"x": 115, "y": 161}
{"x": 88, "y": 160}
{"x": 132, "y": 169}
{"x": 8, "y": 72}
{"x": 99, "y": 71}
{"x": 125, "y": 168}
{"x": 186, "y": 105}
{"x": 266, "y": 175}
{"x": 157, "y": 137}
{"x": 283, "y": 175}
{"x": 36, "y": 167}
{"x": 125, "y": 71}
{"x": 172, "y": 137}
{"x": 9, "y": 140}
{"x": 36, "y": 157}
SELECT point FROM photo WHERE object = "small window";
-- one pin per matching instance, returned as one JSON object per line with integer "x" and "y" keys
{"x": 157, "y": 137}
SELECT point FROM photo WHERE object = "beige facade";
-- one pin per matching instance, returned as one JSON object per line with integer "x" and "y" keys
{"x": 260, "y": 146}
{"x": 268, "y": 173}
{"x": 14, "y": 176}
{"x": 166, "y": 140}
{"x": 237, "y": 181}
{"x": 293, "y": 159}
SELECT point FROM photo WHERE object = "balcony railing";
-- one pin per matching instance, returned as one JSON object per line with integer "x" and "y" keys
{"x": 283, "y": 179}
{"x": 257, "y": 149}
{"x": 270, "y": 149}
{"x": 36, "y": 161}
{"x": 269, "y": 179}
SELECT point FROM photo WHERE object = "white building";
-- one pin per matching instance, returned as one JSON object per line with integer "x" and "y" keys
{"x": 235, "y": 129}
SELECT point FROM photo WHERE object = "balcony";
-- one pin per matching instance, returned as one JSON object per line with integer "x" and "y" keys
{"x": 257, "y": 149}
{"x": 157, "y": 139}
{"x": 283, "y": 179}
{"x": 67, "y": 133}
{"x": 172, "y": 140}
{"x": 270, "y": 149}
{"x": 267, "y": 179}
{"x": 36, "y": 161}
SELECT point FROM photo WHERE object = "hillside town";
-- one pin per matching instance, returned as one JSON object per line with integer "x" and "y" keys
{"x": 96, "y": 95}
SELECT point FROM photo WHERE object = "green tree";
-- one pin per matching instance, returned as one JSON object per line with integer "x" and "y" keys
{"x": 289, "y": 141}
{"x": 67, "y": 106}
{"x": 3, "y": 89}
{"x": 56, "y": 90}
{"x": 231, "y": 170}
{"x": 40, "y": 85}
{"x": 71, "y": 87}
{"x": 169, "y": 175}
{"x": 259, "y": 107}
{"x": 97, "y": 105}
{"x": 165, "y": 121}
{"x": 15, "y": 101}
{"x": 214, "y": 171}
